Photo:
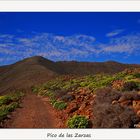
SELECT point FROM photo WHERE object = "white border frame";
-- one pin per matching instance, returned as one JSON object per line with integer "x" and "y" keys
{"x": 69, "y": 6}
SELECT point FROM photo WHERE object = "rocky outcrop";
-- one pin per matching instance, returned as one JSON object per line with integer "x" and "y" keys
{"x": 82, "y": 104}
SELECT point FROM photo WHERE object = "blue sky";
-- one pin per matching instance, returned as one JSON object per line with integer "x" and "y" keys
{"x": 70, "y": 36}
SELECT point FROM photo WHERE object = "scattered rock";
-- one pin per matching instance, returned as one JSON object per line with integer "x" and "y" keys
{"x": 138, "y": 113}
{"x": 72, "y": 108}
{"x": 114, "y": 102}
{"x": 9, "y": 116}
{"x": 82, "y": 106}
{"x": 91, "y": 102}
{"x": 136, "y": 105}
{"x": 137, "y": 125}
{"x": 67, "y": 98}
{"x": 126, "y": 103}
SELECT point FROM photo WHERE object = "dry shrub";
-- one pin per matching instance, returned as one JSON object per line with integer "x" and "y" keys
{"x": 106, "y": 95}
{"x": 108, "y": 115}
{"x": 130, "y": 86}
{"x": 133, "y": 95}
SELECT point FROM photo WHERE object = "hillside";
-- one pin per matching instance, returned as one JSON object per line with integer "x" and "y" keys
{"x": 36, "y": 70}
{"x": 87, "y": 68}
{"x": 69, "y": 94}
{"x": 98, "y": 101}
{"x": 26, "y": 73}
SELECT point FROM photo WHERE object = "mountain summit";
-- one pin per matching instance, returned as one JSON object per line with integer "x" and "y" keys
{"x": 37, "y": 69}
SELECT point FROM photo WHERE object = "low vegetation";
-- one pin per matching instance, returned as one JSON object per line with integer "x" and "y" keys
{"x": 60, "y": 105}
{"x": 75, "y": 95}
{"x": 77, "y": 121}
{"x": 113, "y": 109}
{"x": 57, "y": 104}
{"x": 9, "y": 103}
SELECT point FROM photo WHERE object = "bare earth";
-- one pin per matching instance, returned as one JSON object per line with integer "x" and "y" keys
{"x": 36, "y": 112}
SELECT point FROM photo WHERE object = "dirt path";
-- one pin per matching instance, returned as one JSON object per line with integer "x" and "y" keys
{"x": 35, "y": 113}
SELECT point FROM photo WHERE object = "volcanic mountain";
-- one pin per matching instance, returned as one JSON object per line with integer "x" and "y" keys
{"x": 37, "y": 70}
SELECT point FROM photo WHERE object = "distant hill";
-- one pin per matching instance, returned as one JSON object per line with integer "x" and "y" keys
{"x": 85, "y": 68}
{"x": 36, "y": 70}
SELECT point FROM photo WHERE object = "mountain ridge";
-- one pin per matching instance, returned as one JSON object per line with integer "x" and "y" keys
{"x": 36, "y": 70}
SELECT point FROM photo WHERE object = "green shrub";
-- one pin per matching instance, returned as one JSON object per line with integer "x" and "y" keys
{"x": 35, "y": 89}
{"x": 8, "y": 103}
{"x": 129, "y": 77}
{"x": 3, "y": 112}
{"x": 84, "y": 84}
{"x": 78, "y": 121}
{"x": 50, "y": 94}
{"x": 136, "y": 75}
{"x": 120, "y": 75}
{"x": 12, "y": 97}
{"x": 53, "y": 101}
{"x": 16, "y": 96}
{"x": 12, "y": 106}
{"x": 6, "y": 109}
{"x": 5, "y": 100}
{"x": 41, "y": 93}
{"x": 60, "y": 105}
{"x": 55, "y": 84}
{"x": 96, "y": 81}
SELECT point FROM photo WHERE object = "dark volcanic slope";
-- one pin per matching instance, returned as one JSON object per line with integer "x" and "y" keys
{"x": 85, "y": 68}
{"x": 35, "y": 70}
{"x": 26, "y": 73}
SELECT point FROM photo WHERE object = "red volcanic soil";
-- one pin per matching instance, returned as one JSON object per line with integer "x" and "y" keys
{"x": 36, "y": 112}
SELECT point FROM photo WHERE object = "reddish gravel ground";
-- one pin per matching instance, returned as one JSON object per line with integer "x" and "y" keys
{"x": 36, "y": 112}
